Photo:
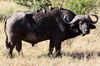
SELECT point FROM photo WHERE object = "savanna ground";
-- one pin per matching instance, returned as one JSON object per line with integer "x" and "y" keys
{"x": 79, "y": 51}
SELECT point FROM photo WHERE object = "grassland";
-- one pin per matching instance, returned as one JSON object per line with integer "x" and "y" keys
{"x": 79, "y": 51}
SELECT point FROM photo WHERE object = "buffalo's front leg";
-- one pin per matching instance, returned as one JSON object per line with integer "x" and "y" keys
{"x": 51, "y": 47}
{"x": 56, "y": 42}
{"x": 58, "y": 48}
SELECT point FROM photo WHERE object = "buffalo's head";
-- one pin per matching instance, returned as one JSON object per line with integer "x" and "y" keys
{"x": 83, "y": 22}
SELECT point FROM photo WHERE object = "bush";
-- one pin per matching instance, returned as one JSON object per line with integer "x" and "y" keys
{"x": 78, "y": 6}
{"x": 34, "y": 4}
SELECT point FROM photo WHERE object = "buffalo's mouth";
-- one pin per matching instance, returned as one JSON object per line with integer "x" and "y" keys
{"x": 85, "y": 32}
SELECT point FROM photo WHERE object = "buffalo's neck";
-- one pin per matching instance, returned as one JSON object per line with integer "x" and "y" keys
{"x": 72, "y": 33}
{"x": 75, "y": 32}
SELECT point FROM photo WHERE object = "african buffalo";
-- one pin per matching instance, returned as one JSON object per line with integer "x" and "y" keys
{"x": 55, "y": 24}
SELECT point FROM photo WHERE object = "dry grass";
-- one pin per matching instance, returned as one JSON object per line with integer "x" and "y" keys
{"x": 79, "y": 51}
{"x": 7, "y": 8}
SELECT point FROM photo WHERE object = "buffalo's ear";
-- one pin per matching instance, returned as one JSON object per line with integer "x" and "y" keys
{"x": 91, "y": 26}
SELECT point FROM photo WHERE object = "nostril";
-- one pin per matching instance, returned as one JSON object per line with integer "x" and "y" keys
{"x": 85, "y": 30}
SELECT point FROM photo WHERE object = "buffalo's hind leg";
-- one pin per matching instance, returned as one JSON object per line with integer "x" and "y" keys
{"x": 9, "y": 46}
{"x": 10, "y": 49}
{"x": 19, "y": 48}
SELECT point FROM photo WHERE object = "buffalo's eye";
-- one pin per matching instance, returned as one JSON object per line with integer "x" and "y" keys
{"x": 81, "y": 22}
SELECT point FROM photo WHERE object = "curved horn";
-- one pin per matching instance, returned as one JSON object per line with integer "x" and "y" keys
{"x": 77, "y": 17}
{"x": 94, "y": 22}
{"x": 73, "y": 20}
{"x": 64, "y": 19}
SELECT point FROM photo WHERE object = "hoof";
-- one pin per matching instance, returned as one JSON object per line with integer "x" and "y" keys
{"x": 50, "y": 55}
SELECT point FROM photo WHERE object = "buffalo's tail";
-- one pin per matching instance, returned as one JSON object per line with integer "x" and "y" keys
{"x": 6, "y": 39}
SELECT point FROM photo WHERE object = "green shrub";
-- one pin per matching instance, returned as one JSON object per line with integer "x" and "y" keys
{"x": 34, "y": 4}
{"x": 81, "y": 6}
{"x": 78, "y": 6}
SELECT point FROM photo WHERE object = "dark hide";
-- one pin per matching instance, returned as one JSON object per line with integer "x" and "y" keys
{"x": 37, "y": 26}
